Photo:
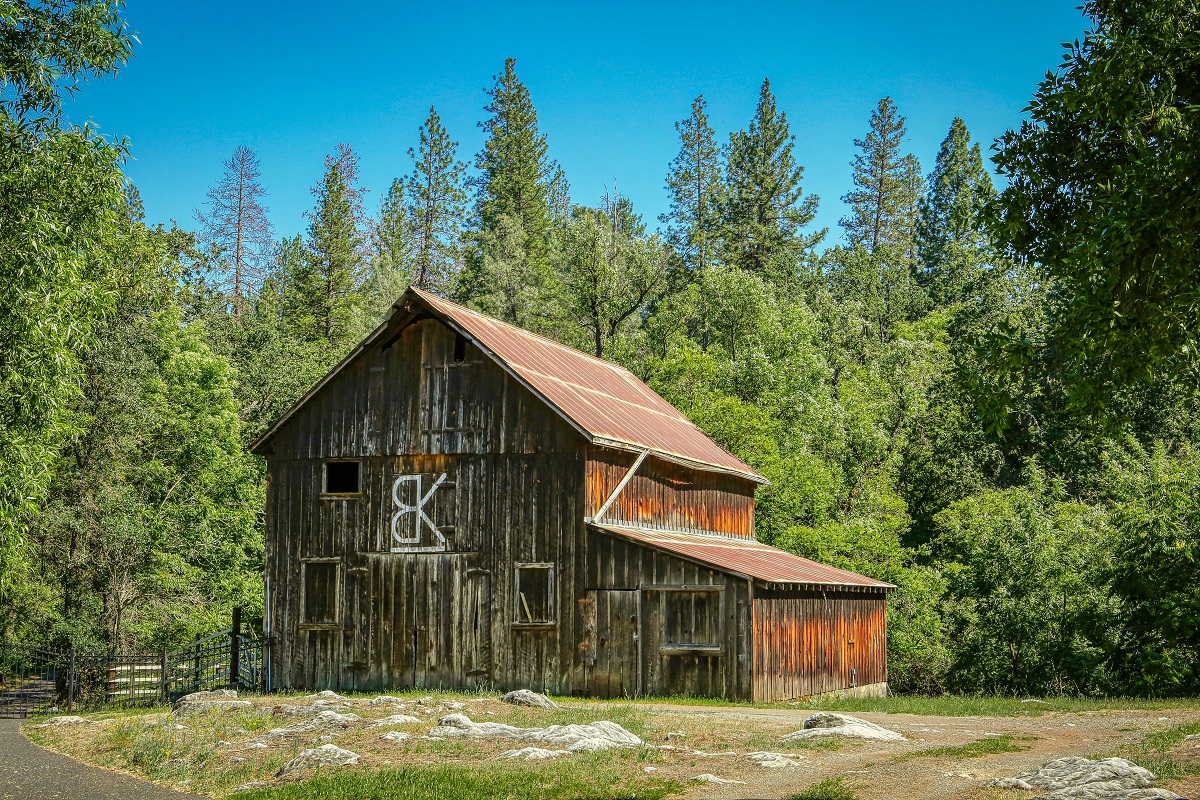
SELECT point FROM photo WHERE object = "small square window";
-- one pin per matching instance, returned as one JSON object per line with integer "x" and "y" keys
{"x": 535, "y": 594}
{"x": 342, "y": 477}
{"x": 692, "y": 619}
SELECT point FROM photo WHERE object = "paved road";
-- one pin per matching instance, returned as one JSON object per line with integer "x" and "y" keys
{"x": 27, "y": 772}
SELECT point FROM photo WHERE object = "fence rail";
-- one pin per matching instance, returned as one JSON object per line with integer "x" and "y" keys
{"x": 34, "y": 680}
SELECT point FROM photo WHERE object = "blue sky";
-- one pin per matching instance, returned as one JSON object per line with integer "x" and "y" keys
{"x": 292, "y": 79}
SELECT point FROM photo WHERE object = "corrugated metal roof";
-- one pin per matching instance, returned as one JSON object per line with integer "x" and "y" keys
{"x": 749, "y": 558}
{"x": 604, "y": 400}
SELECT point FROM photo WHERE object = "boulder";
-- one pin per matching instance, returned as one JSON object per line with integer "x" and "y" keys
{"x": 394, "y": 719}
{"x": 327, "y": 755}
{"x": 826, "y": 724}
{"x": 58, "y": 722}
{"x": 215, "y": 694}
{"x": 524, "y": 697}
{"x": 773, "y": 760}
{"x": 602, "y": 735}
{"x": 1077, "y": 778}
{"x": 534, "y": 753}
{"x": 385, "y": 700}
{"x": 395, "y": 736}
{"x": 708, "y": 777}
{"x": 184, "y": 708}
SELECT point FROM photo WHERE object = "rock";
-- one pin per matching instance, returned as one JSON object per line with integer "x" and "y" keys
{"x": 394, "y": 719}
{"x": 425, "y": 701}
{"x": 215, "y": 694}
{"x": 327, "y": 694}
{"x": 1190, "y": 738}
{"x": 321, "y": 722}
{"x": 676, "y": 735}
{"x": 534, "y": 753}
{"x": 396, "y": 736}
{"x": 648, "y": 770}
{"x": 327, "y": 755}
{"x": 450, "y": 705}
{"x": 58, "y": 722}
{"x": 309, "y": 711}
{"x": 708, "y": 777}
{"x": 207, "y": 706}
{"x": 245, "y": 787}
{"x": 1038, "y": 702}
{"x": 524, "y": 697}
{"x": 764, "y": 759}
{"x": 826, "y": 724}
{"x": 601, "y": 735}
{"x": 1076, "y": 778}
{"x": 385, "y": 700}
{"x": 702, "y": 754}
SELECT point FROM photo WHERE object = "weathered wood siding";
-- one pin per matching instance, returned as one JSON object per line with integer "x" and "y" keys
{"x": 684, "y": 609}
{"x": 513, "y": 493}
{"x": 809, "y": 643}
{"x": 669, "y": 496}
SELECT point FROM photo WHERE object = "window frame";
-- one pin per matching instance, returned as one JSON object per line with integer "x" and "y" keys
{"x": 328, "y": 495}
{"x": 305, "y": 623}
{"x": 717, "y": 596}
{"x": 551, "y": 594}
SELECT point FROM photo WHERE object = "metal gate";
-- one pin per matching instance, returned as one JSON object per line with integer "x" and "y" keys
{"x": 32, "y": 679}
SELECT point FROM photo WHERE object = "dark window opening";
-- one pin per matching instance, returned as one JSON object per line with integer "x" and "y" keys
{"x": 460, "y": 348}
{"x": 320, "y": 592}
{"x": 692, "y": 619}
{"x": 535, "y": 594}
{"x": 342, "y": 477}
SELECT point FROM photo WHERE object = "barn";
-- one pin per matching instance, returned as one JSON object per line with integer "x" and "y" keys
{"x": 461, "y": 503}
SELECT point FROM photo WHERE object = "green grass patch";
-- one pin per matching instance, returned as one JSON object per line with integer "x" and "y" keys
{"x": 575, "y": 779}
{"x": 1164, "y": 752}
{"x": 991, "y": 745}
{"x": 991, "y": 706}
{"x": 828, "y": 789}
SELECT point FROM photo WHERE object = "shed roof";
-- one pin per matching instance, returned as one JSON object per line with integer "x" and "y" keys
{"x": 749, "y": 559}
{"x": 605, "y": 402}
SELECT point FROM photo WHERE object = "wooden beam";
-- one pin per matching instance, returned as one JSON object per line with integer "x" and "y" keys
{"x": 624, "y": 481}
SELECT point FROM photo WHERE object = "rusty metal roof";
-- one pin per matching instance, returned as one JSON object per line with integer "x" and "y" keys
{"x": 605, "y": 401}
{"x": 748, "y": 558}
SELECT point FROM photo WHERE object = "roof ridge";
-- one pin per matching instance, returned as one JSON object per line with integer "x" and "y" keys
{"x": 524, "y": 331}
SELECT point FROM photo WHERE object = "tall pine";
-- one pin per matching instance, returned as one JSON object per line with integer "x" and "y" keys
{"x": 435, "y": 200}
{"x": 335, "y": 248}
{"x": 887, "y": 186}
{"x": 694, "y": 186}
{"x": 764, "y": 209}
{"x": 951, "y": 242}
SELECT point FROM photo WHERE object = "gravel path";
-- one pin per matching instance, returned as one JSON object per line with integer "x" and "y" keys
{"x": 27, "y": 772}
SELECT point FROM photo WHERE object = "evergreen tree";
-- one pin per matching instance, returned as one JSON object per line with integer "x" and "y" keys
{"x": 391, "y": 235}
{"x": 434, "y": 206}
{"x": 951, "y": 242}
{"x": 763, "y": 210}
{"x": 512, "y": 203}
{"x": 335, "y": 248}
{"x": 887, "y": 186}
{"x": 236, "y": 229}
{"x": 694, "y": 186}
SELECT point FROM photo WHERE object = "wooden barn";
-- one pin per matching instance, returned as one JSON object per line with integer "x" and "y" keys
{"x": 461, "y": 503}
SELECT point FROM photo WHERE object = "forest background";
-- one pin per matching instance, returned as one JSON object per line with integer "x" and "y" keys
{"x": 986, "y": 398}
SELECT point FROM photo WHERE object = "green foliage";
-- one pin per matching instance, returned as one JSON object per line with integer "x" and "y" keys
{"x": 1099, "y": 196}
{"x": 887, "y": 186}
{"x": 435, "y": 198}
{"x": 988, "y": 746}
{"x": 694, "y": 181}
{"x": 828, "y": 789}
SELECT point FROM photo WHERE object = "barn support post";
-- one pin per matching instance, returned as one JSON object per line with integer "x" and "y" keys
{"x": 235, "y": 641}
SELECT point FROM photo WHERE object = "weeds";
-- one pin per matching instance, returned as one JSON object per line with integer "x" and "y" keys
{"x": 991, "y": 745}
{"x": 828, "y": 789}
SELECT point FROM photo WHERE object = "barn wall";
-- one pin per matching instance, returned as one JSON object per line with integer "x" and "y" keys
{"x": 666, "y": 495}
{"x": 513, "y": 493}
{"x": 665, "y": 586}
{"x": 810, "y": 643}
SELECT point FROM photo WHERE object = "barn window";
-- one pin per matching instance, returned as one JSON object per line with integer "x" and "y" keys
{"x": 460, "y": 348}
{"x": 343, "y": 477}
{"x": 692, "y": 619}
{"x": 320, "y": 588}
{"x": 535, "y": 594}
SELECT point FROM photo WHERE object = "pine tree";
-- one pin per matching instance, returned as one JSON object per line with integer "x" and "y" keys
{"x": 335, "y": 247}
{"x": 763, "y": 210}
{"x": 694, "y": 184}
{"x": 434, "y": 206}
{"x": 887, "y": 187}
{"x": 951, "y": 241}
{"x": 510, "y": 262}
{"x": 236, "y": 228}
{"x": 392, "y": 235}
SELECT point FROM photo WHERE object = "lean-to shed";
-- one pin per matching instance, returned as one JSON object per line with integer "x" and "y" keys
{"x": 462, "y": 503}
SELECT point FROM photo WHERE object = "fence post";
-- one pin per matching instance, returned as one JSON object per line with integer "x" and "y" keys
{"x": 164, "y": 680}
{"x": 235, "y": 642}
{"x": 71, "y": 682}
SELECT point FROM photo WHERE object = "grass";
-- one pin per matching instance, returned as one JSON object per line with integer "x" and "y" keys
{"x": 990, "y": 706}
{"x": 988, "y": 746}
{"x": 1165, "y": 753}
{"x": 828, "y": 789}
{"x": 585, "y": 779}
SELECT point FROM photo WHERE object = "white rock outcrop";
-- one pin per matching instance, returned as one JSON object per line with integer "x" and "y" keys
{"x": 309, "y": 710}
{"x": 395, "y": 736}
{"x": 183, "y": 709}
{"x": 394, "y": 719}
{"x": 602, "y": 735}
{"x": 708, "y": 777}
{"x": 58, "y": 722}
{"x": 524, "y": 697}
{"x": 1077, "y": 778}
{"x": 215, "y": 694}
{"x": 322, "y": 722}
{"x": 773, "y": 760}
{"x": 534, "y": 753}
{"x": 327, "y": 755}
{"x": 826, "y": 724}
{"x": 385, "y": 700}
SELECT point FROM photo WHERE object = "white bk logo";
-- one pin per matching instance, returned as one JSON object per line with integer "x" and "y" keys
{"x": 402, "y": 541}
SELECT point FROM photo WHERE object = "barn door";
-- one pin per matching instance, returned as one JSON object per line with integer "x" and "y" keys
{"x": 477, "y": 633}
{"x": 683, "y": 641}
{"x": 614, "y": 639}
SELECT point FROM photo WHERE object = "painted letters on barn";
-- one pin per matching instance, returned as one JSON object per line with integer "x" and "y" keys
{"x": 461, "y": 503}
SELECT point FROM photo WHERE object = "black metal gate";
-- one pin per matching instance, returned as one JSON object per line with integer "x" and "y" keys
{"x": 32, "y": 679}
